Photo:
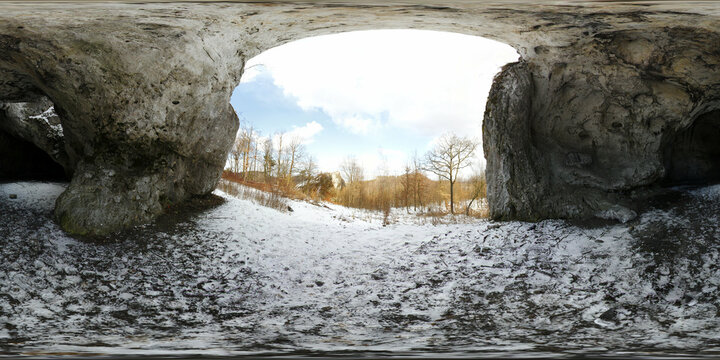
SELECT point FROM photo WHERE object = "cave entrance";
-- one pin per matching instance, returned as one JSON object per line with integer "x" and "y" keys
{"x": 32, "y": 145}
{"x": 22, "y": 160}
{"x": 693, "y": 155}
{"x": 358, "y": 112}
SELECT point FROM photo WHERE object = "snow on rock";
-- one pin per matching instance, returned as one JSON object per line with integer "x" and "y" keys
{"x": 50, "y": 118}
{"x": 38, "y": 123}
{"x": 242, "y": 278}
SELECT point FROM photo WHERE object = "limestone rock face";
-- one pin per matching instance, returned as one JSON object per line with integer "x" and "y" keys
{"x": 603, "y": 105}
{"x": 606, "y": 118}
{"x": 144, "y": 109}
{"x": 37, "y": 123}
{"x": 513, "y": 162}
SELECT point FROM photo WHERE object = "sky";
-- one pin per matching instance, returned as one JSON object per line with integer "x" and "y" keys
{"x": 379, "y": 96}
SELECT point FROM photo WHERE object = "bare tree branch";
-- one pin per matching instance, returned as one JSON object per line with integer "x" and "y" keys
{"x": 451, "y": 154}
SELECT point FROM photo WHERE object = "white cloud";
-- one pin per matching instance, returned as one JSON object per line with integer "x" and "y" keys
{"x": 423, "y": 81}
{"x": 356, "y": 123}
{"x": 305, "y": 134}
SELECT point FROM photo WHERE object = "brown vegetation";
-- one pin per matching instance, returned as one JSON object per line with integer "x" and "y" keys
{"x": 280, "y": 166}
{"x": 415, "y": 193}
{"x": 269, "y": 198}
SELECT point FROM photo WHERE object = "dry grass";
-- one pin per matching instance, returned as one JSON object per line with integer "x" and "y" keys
{"x": 283, "y": 188}
{"x": 275, "y": 196}
{"x": 483, "y": 213}
{"x": 271, "y": 199}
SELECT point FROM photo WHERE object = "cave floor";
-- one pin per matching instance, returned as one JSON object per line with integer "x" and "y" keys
{"x": 233, "y": 278}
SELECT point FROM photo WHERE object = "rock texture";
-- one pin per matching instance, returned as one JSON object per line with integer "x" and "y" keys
{"x": 609, "y": 117}
{"x": 144, "y": 109}
{"x": 593, "y": 116}
{"x": 517, "y": 184}
{"x": 37, "y": 123}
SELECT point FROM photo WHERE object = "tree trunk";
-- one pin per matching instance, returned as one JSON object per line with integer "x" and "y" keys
{"x": 452, "y": 199}
{"x": 467, "y": 209}
{"x": 292, "y": 164}
{"x": 246, "y": 158}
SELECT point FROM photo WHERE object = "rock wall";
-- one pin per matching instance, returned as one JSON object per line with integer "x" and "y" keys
{"x": 37, "y": 123}
{"x": 604, "y": 117}
{"x": 145, "y": 114}
{"x": 516, "y": 183}
{"x": 582, "y": 126}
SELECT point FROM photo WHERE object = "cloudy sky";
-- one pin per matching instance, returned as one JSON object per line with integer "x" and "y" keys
{"x": 377, "y": 95}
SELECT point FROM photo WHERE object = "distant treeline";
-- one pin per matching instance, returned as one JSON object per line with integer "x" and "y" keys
{"x": 281, "y": 164}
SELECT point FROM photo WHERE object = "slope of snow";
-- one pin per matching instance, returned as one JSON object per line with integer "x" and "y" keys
{"x": 245, "y": 279}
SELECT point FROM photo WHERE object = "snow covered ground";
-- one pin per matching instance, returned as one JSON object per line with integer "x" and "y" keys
{"x": 245, "y": 279}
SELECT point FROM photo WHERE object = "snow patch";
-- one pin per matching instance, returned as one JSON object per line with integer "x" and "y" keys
{"x": 246, "y": 279}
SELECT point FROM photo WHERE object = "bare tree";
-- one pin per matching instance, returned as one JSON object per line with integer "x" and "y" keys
{"x": 234, "y": 156}
{"x": 295, "y": 150}
{"x": 406, "y": 181}
{"x": 280, "y": 158}
{"x": 245, "y": 143}
{"x": 479, "y": 188}
{"x": 308, "y": 168}
{"x": 240, "y": 155}
{"x": 451, "y": 154}
{"x": 418, "y": 184}
{"x": 352, "y": 170}
{"x": 268, "y": 161}
{"x": 255, "y": 151}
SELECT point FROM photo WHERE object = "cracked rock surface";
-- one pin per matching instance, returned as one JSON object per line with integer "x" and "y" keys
{"x": 37, "y": 123}
{"x": 596, "y": 105}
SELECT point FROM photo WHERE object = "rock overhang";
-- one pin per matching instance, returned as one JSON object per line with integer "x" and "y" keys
{"x": 142, "y": 91}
